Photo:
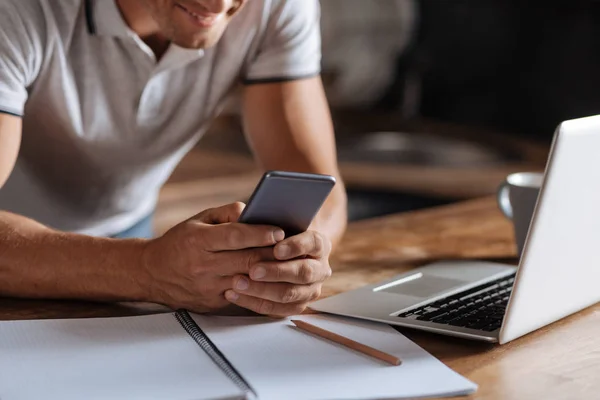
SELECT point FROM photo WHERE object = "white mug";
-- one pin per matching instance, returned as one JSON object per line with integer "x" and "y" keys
{"x": 517, "y": 197}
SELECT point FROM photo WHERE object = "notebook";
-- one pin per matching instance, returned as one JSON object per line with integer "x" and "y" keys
{"x": 184, "y": 356}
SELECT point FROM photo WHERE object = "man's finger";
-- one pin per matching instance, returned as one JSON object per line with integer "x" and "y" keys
{"x": 229, "y": 263}
{"x": 235, "y": 236}
{"x": 221, "y": 215}
{"x": 309, "y": 243}
{"x": 278, "y": 292}
{"x": 265, "y": 307}
{"x": 301, "y": 271}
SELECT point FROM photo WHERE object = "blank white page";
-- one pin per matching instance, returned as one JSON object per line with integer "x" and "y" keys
{"x": 144, "y": 357}
{"x": 282, "y": 362}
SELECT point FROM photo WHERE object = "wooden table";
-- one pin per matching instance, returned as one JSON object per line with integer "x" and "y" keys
{"x": 561, "y": 361}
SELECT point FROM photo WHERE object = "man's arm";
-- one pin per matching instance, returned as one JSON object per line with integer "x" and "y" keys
{"x": 189, "y": 267}
{"x": 36, "y": 261}
{"x": 289, "y": 127}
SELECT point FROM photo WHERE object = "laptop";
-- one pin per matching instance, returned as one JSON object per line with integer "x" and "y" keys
{"x": 558, "y": 273}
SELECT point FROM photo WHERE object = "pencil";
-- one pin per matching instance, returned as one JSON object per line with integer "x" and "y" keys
{"x": 347, "y": 342}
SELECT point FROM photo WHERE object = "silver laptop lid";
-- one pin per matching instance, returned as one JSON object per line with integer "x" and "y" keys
{"x": 560, "y": 267}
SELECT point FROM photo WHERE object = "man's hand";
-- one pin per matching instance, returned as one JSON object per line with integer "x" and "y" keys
{"x": 193, "y": 264}
{"x": 207, "y": 262}
{"x": 286, "y": 285}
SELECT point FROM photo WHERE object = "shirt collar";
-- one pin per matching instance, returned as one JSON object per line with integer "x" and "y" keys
{"x": 103, "y": 18}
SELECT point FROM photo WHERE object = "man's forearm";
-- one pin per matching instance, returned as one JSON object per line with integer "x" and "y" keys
{"x": 289, "y": 128}
{"x": 38, "y": 262}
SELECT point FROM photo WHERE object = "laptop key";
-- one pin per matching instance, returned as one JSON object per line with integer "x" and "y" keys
{"x": 456, "y": 322}
{"x": 478, "y": 325}
{"x": 441, "y": 319}
{"x": 491, "y": 327}
{"x": 413, "y": 316}
{"x": 482, "y": 314}
{"x": 450, "y": 315}
{"x": 471, "y": 320}
{"x": 437, "y": 313}
{"x": 452, "y": 320}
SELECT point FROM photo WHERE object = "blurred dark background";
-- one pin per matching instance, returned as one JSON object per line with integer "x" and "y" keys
{"x": 433, "y": 101}
{"x": 520, "y": 66}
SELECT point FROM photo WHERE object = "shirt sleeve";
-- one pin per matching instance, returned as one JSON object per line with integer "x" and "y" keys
{"x": 20, "y": 52}
{"x": 291, "y": 45}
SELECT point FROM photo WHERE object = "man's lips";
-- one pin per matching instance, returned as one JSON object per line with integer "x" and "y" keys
{"x": 199, "y": 18}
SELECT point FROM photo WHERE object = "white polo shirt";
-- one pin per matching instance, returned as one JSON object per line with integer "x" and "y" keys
{"x": 104, "y": 124}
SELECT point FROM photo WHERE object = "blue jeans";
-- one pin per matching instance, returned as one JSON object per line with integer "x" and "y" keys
{"x": 141, "y": 230}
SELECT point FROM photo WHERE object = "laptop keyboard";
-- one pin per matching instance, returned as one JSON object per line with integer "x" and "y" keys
{"x": 481, "y": 307}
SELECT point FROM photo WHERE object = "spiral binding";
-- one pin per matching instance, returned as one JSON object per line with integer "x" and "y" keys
{"x": 212, "y": 351}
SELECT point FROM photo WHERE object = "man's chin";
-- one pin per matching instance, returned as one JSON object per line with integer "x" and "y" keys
{"x": 195, "y": 43}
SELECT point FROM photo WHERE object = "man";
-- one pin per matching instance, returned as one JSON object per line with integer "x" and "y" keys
{"x": 99, "y": 101}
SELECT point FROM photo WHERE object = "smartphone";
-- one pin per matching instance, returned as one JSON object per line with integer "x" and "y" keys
{"x": 289, "y": 200}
